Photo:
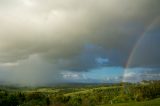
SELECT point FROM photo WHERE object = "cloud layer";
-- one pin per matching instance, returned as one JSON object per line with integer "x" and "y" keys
{"x": 72, "y": 35}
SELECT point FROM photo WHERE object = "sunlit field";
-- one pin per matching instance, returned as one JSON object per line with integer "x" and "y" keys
{"x": 155, "y": 102}
{"x": 123, "y": 94}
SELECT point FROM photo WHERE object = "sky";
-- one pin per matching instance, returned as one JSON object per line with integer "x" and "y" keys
{"x": 55, "y": 41}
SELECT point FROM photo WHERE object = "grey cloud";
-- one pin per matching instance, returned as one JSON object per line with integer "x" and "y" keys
{"x": 58, "y": 32}
{"x": 139, "y": 74}
{"x": 147, "y": 51}
{"x": 153, "y": 74}
{"x": 31, "y": 72}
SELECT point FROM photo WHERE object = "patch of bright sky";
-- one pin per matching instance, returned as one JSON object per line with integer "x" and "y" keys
{"x": 105, "y": 72}
{"x": 102, "y": 60}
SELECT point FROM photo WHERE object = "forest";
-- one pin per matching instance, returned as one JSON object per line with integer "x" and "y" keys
{"x": 119, "y": 94}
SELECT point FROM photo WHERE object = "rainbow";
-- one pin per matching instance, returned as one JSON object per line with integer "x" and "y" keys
{"x": 134, "y": 50}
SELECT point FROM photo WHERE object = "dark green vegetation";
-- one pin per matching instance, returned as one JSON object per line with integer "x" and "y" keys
{"x": 142, "y": 94}
{"x": 155, "y": 102}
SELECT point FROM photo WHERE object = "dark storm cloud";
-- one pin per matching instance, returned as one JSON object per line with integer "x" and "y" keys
{"x": 147, "y": 51}
{"x": 58, "y": 32}
{"x": 90, "y": 57}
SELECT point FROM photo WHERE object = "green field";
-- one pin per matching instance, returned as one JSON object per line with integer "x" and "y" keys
{"x": 83, "y": 95}
{"x": 155, "y": 102}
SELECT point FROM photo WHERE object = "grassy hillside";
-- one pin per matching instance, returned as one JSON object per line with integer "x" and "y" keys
{"x": 155, "y": 102}
{"x": 92, "y": 90}
{"x": 96, "y": 95}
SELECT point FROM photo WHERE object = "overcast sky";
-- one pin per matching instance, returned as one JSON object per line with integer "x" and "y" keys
{"x": 53, "y": 41}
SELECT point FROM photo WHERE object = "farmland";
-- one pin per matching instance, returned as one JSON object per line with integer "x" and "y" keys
{"x": 82, "y": 95}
